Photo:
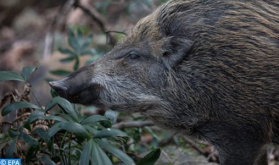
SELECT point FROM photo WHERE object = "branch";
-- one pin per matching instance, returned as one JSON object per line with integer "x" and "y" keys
{"x": 133, "y": 124}
{"x": 167, "y": 156}
{"x": 194, "y": 145}
{"x": 61, "y": 13}
{"x": 95, "y": 16}
{"x": 114, "y": 31}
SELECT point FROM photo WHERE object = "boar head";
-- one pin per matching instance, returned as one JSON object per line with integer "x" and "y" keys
{"x": 135, "y": 75}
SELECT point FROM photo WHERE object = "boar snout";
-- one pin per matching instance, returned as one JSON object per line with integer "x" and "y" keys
{"x": 77, "y": 90}
{"x": 61, "y": 89}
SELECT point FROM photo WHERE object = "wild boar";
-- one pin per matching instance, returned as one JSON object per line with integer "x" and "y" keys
{"x": 208, "y": 69}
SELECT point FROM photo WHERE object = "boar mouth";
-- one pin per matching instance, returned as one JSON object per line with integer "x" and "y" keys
{"x": 107, "y": 96}
{"x": 86, "y": 95}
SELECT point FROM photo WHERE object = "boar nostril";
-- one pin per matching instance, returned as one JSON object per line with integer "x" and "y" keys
{"x": 59, "y": 88}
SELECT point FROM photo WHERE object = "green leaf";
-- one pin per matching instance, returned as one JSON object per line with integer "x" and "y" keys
{"x": 147, "y": 2}
{"x": 11, "y": 148}
{"x": 60, "y": 72}
{"x": 67, "y": 52}
{"x": 98, "y": 155}
{"x": 46, "y": 160}
{"x": 76, "y": 64}
{"x": 86, "y": 152}
{"x": 66, "y": 60}
{"x": 43, "y": 134}
{"x": 152, "y": 132}
{"x": 30, "y": 154}
{"x": 94, "y": 58}
{"x": 53, "y": 93}
{"x": 49, "y": 80}
{"x": 79, "y": 32}
{"x": 29, "y": 140}
{"x": 110, "y": 132}
{"x": 150, "y": 158}
{"x": 3, "y": 144}
{"x": 54, "y": 129}
{"x": 13, "y": 133}
{"x": 76, "y": 129}
{"x": 27, "y": 71}
{"x": 87, "y": 42}
{"x": 67, "y": 117}
{"x": 4, "y": 140}
{"x": 136, "y": 134}
{"x": 57, "y": 118}
{"x": 17, "y": 105}
{"x": 65, "y": 105}
{"x": 115, "y": 151}
{"x": 9, "y": 75}
{"x": 106, "y": 124}
{"x": 88, "y": 52}
{"x": 34, "y": 116}
{"x": 73, "y": 41}
{"x": 90, "y": 129}
{"x": 93, "y": 119}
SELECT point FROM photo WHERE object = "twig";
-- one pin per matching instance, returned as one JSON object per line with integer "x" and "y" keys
{"x": 5, "y": 99}
{"x": 48, "y": 45}
{"x": 63, "y": 9}
{"x": 94, "y": 14}
{"x": 35, "y": 98}
{"x": 61, "y": 145}
{"x": 194, "y": 145}
{"x": 210, "y": 156}
{"x": 133, "y": 124}
{"x": 56, "y": 141}
{"x": 69, "y": 158}
{"x": 7, "y": 123}
{"x": 22, "y": 116}
{"x": 194, "y": 162}
{"x": 114, "y": 31}
{"x": 167, "y": 156}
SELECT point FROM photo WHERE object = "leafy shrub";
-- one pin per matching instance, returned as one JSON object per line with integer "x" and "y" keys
{"x": 58, "y": 133}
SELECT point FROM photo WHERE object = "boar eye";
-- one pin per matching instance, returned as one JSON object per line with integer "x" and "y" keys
{"x": 133, "y": 56}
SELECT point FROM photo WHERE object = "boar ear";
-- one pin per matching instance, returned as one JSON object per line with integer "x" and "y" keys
{"x": 176, "y": 49}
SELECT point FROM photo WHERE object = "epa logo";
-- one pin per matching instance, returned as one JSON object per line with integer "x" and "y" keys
{"x": 3, "y": 162}
{"x": 10, "y": 162}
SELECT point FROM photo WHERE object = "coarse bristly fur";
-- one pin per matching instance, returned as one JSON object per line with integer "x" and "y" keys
{"x": 209, "y": 69}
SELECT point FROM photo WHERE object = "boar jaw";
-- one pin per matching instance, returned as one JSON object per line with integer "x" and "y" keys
{"x": 119, "y": 93}
{"x": 105, "y": 91}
